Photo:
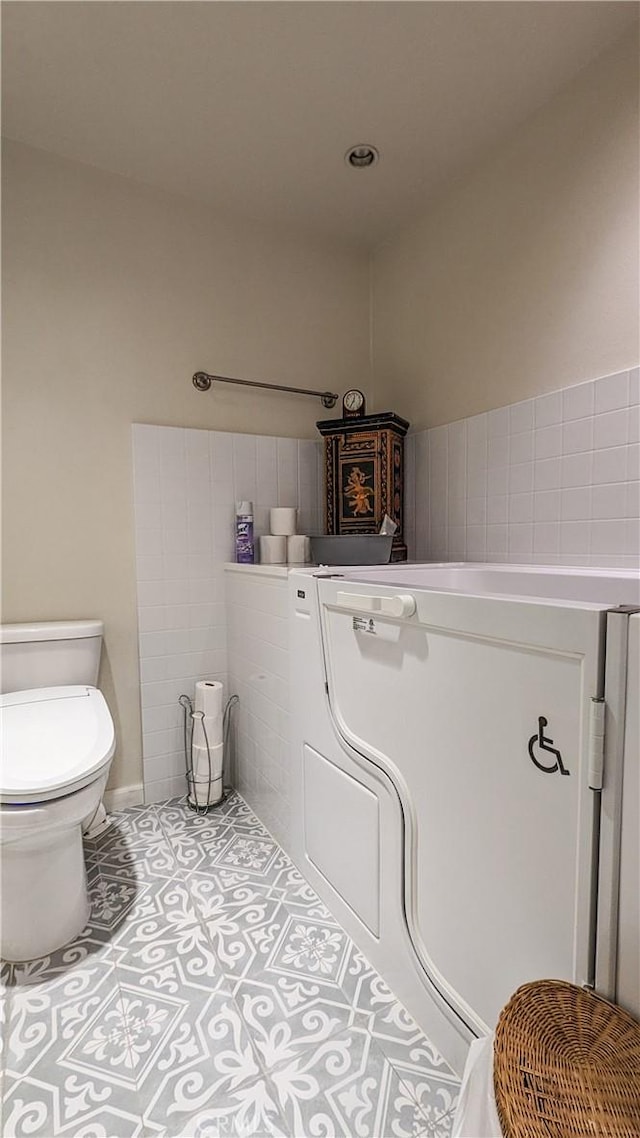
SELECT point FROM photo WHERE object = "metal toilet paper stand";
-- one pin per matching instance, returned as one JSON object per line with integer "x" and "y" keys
{"x": 199, "y": 790}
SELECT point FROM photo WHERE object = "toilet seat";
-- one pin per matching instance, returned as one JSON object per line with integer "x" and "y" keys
{"x": 54, "y": 741}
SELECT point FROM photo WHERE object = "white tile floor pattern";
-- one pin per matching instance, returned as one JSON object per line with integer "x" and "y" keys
{"x": 212, "y": 994}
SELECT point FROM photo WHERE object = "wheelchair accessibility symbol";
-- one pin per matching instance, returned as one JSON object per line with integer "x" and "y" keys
{"x": 542, "y": 742}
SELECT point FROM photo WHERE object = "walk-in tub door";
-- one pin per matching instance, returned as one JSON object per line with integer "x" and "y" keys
{"x": 479, "y": 709}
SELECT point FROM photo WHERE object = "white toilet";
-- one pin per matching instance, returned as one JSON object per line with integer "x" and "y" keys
{"x": 58, "y": 740}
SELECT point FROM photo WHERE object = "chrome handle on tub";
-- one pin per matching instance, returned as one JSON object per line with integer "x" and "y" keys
{"x": 401, "y": 606}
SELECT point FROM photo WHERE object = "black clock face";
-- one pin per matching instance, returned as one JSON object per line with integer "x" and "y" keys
{"x": 353, "y": 403}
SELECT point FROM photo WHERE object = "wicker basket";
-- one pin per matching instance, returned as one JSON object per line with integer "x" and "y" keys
{"x": 566, "y": 1065}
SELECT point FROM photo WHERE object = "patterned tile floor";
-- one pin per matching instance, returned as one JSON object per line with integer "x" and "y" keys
{"x": 212, "y": 995}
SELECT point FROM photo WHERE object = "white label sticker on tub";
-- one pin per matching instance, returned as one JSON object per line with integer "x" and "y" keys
{"x": 386, "y": 631}
{"x": 364, "y": 624}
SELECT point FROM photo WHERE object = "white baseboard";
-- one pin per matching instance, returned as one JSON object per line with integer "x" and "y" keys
{"x": 124, "y": 796}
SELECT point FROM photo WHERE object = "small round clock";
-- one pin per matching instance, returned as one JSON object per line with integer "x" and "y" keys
{"x": 353, "y": 404}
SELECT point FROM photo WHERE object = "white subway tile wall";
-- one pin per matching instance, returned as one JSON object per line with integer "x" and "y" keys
{"x": 186, "y": 483}
{"x": 550, "y": 480}
{"x": 553, "y": 480}
{"x": 259, "y": 673}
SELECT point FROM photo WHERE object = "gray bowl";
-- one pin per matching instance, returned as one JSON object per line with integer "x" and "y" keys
{"x": 351, "y": 549}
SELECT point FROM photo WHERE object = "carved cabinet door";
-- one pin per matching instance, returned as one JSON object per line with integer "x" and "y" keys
{"x": 364, "y": 476}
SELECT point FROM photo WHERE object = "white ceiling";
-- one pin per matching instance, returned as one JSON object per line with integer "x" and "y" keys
{"x": 251, "y": 106}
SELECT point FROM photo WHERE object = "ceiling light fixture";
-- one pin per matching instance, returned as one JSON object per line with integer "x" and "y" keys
{"x": 361, "y": 156}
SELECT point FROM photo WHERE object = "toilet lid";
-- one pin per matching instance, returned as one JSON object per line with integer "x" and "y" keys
{"x": 54, "y": 741}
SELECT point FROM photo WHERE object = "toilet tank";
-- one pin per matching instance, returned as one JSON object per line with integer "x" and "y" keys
{"x": 49, "y": 653}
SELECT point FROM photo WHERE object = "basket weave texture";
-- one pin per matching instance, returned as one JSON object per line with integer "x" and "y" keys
{"x": 566, "y": 1065}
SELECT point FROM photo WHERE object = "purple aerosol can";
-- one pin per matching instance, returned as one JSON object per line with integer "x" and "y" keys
{"x": 244, "y": 533}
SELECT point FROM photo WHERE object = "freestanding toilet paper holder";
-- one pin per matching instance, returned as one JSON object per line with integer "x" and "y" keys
{"x": 199, "y": 791}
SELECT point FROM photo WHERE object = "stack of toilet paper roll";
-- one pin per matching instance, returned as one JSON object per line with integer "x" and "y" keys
{"x": 207, "y": 745}
{"x": 283, "y": 546}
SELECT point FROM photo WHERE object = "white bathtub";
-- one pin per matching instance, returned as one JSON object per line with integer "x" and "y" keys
{"x": 576, "y": 585}
{"x": 459, "y": 801}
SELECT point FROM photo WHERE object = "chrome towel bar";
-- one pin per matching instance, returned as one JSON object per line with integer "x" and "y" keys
{"x": 202, "y": 381}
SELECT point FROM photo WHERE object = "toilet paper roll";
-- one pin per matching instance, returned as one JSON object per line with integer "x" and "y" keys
{"x": 205, "y": 787}
{"x": 209, "y": 698}
{"x": 273, "y": 550}
{"x": 207, "y": 731}
{"x": 200, "y": 761}
{"x": 206, "y": 793}
{"x": 298, "y": 549}
{"x": 282, "y": 520}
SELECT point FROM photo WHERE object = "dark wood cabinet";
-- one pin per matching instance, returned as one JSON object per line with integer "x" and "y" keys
{"x": 364, "y": 475}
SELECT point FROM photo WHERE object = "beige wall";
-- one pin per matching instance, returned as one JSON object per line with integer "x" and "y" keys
{"x": 113, "y": 296}
{"x": 522, "y": 277}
